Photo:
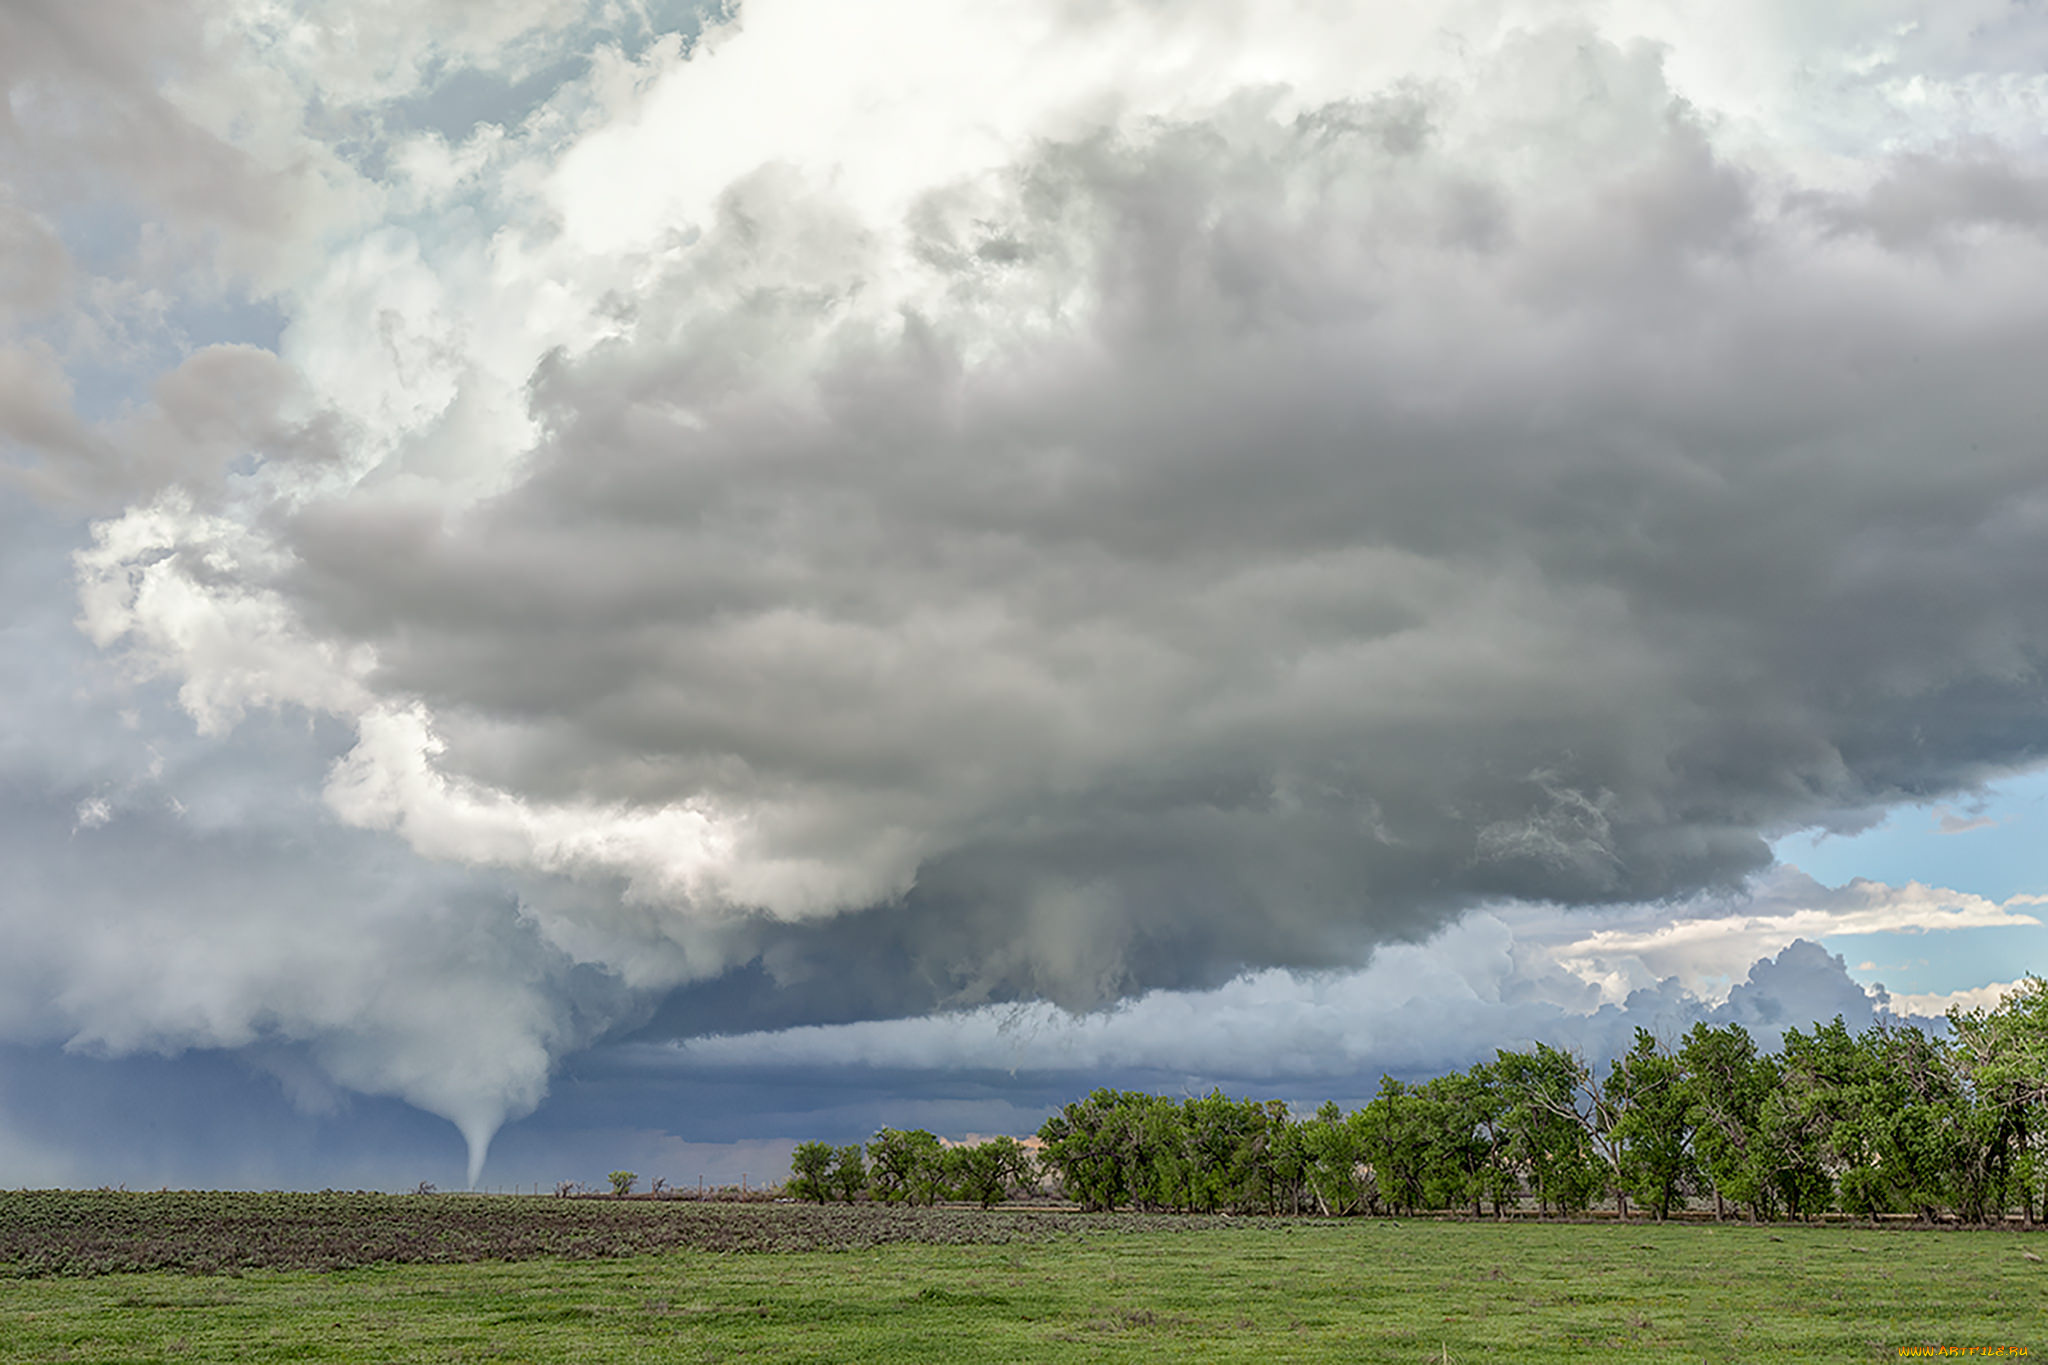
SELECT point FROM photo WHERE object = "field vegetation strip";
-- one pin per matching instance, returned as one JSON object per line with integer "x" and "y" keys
{"x": 64, "y": 1232}
{"x": 1321, "y": 1290}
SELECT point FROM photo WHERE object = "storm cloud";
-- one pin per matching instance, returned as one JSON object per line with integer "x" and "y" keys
{"x": 930, "y": 510}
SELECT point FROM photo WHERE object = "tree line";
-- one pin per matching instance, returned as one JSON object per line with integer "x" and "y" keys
{"x": 912, "y": 1167}
{"x": 1891, "y": 1120}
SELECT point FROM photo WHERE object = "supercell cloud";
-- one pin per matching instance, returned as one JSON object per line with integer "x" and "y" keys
{"x": 951, "y": 506}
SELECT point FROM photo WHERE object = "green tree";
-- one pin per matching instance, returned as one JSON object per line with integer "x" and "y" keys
{"x": 906, "y": 1167}
{"x": 1396, "y": 1145}
{"x": 2002, "y": 1057}
{"x": 1545, "y": 1133}
{"x": 622, "y": 1182}
{"x": 849, "y": 1176}
{"x": 988, "y": 1171}
{"x": 1727, "y": 1083}
{"x": 1090, "y": 1145}
{"x": 1457, "y": 1116}
{"x": 1337, "y": 1177}
{"x": 1282, "y": 1160}
{"x": 1815, "y": 1148}
{"x": 1652, "y": 1124}
{"x": 810, "y": 1169}
{"x": 1221, "y": 1138}
{"x": 1914, "y": 1120}
{"x": 1161, "y": 1173}
{"x": 1883, "y": 1112}
{"x": 1498, "y": 1179}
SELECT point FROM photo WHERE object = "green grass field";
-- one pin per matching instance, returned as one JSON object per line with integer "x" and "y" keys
{"x": 1359, "y": 1290}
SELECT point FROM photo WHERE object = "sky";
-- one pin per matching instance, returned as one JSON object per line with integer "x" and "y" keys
{"x": 624, "y": 583}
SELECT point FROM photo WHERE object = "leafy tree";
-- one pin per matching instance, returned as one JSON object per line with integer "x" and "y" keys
{"x": 1336, "y": 1173}
{"x": 1915, "y": 1121}
{"x": 1884, "y": 1114}
{"x": 1455, "y": 1115}
{"x": 1160, "y": 1176}
{"x": 987, "y": 1171}
{"x": 811, "y": 1171}
{"x": 1221, "y": 1149}
{"x": 1652, "y": 1124}
{"x": 1814, "y": 1145}
{"x": 849, "y": 1175}
{"x": 1599, "y": 1114}
{"x": 2001, "y": 1055}
{"x": 906, "y": 1166}
{"x": 1546, "y": 1135}
{"x": 622, "y": 1182}
{"x": 1497, "y": 1178}
{"x": 1396, "y": 1144}
{"x": 1727, "y": 1083}
{"x": 1280, "y": 1160}
{"x": 1095, "y": 1146}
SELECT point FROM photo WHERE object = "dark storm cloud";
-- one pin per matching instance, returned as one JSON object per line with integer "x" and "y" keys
{"x": 1375, "y": 521}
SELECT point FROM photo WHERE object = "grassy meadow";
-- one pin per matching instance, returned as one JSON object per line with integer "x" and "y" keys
{"x": 1071, "y": 1288}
